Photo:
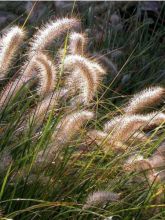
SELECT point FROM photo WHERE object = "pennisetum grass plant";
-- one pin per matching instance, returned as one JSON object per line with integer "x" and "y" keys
{"x": 55, "y": 152}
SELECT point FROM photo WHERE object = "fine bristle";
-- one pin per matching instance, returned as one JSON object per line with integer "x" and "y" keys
{"x": 145, "y": 99}
{"x": 77, "y": 43}
{"x": 88, "y": 77}
{"x": 50, "y": 31}
{"x": 9, "y": 44}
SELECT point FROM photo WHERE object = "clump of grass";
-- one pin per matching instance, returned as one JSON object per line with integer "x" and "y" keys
{"x": 55, "y": 153}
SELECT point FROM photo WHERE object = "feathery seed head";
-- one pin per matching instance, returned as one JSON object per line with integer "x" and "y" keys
{"x": 47, "y": 74}
{"x": 98, "y": 137}
{"x": 157, "y": 161}
{"x": 99, "y": 69}
{"x": 161, "y": 176}
{"x": 50, "y": 31}
{"x": 87, "y": 72}
{"x": 10, "y": 90}
{"x": 134, "y": 158}
{"x": 103, "y": 139}
{"x": 137, "y": 163}
{"x": 123, "y": 127}
{"x": 9, "y": 43}
{"x": 154, "y": 119}
{"x": 114, "y": 123}
{"x": 41, "y": 67}
{"x": 95, "y": 135}
{"x": 100, "y": 198}
{"x": 138, "y": 137}
{"x": 145, "y": 99}
{"x": 70, "y": 125}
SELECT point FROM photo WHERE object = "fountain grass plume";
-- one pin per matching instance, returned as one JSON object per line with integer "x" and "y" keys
{"x": 145, "y": 99}
{"x": 89, "y": 73}
{"x": 70, "y": 125}
{"x": 47, "y": 74}
{"x": 104, "y": 141}
{"x": 40, "y": 67}
{"x": 100, "y": 198}
{"x": 9, "y": 45}
{"x": 49, "y": 32}
{"x": 123, "y": 127}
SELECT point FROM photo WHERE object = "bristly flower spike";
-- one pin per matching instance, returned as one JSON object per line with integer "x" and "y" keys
{"x": 124, "y": 127}
{"x": 46, "y": 74}
{"x": 142, "y": 166}
{"x": 89, "y": 75}
{"x": 46, "y": 34}
{"x": 144, "y": 99}
{"x": 70, "y": 125}
{"x": 40, "y": 67}
{"x": 67, "y": 128}
{"x": 9, "y": 44}
{"x": 100, "y": 198}
{"x": 103, "y": 140}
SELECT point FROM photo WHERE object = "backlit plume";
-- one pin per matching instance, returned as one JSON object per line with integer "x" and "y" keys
{"x": 145, "y": 99}
{"x": 124, "y": 127}
{"x": 40, "y": 67}
{"x": 47, "y": 74}
{"x": 70, "y": 125}
{"x": 105, "y": 141}
{"x": 143, "y": 166}
{"x": 50, "y": 31}
{"x": 89, "y": 75}
{"x": 9, "y": 44}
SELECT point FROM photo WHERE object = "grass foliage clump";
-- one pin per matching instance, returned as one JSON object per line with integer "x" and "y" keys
{"x": 65, "y": 152}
